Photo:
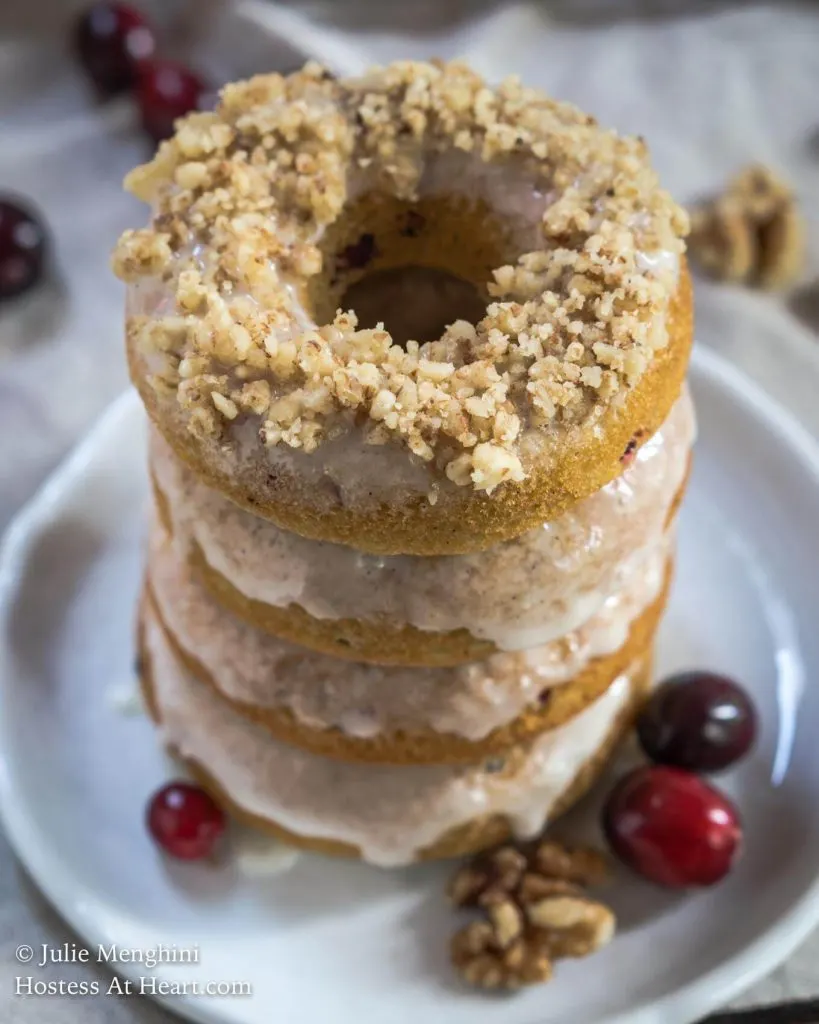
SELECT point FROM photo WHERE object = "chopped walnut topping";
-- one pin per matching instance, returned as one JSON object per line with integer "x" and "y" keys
{"x": 537, "y": 911}
{"x": 242, "y": 199}
{"x": 753, "y": 233}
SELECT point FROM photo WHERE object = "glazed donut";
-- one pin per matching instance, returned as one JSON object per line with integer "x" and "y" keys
{"x": 405, "y": 312}
{"x": 388, "y": 815}
{"x": 411, "y": 610}
{"x": 399, "y": 715}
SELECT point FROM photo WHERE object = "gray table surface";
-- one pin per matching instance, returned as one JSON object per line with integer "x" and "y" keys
{"x": 712, "y": 86}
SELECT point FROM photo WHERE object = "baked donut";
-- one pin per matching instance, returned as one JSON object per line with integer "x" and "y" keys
{"x": 400, "y": 715}
{"x": 432, "y": 611}
{"x": 406, "y": 312}
{"x": 388, "y": 815}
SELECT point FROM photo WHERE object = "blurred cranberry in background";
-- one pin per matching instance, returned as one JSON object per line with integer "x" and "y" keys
{"x": 23, "y": 244}
{"x": 112, "y": 40}
{"x": 167, "y": 90}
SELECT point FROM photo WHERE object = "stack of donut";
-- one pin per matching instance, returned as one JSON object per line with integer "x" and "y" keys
{"x": 413, "y": 351}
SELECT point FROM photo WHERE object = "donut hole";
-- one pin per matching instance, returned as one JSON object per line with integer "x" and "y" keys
{"x": 413, "y": 302}
{"x": 416, "y": 266}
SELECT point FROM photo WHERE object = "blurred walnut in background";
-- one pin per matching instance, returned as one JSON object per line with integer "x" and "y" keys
{"x": 752, "y": 234}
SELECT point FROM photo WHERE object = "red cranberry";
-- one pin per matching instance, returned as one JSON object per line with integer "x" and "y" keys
{"x": 112, "y": 40}
{"x": 166, "y": 91}
{"x": 22, "y": 248}
{"x": 672, "y": 827}
{"x": 185, "y": 821}
{"x": 699, "y": 721}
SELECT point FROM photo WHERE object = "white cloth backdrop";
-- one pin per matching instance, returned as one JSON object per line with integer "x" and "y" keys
{"x": 711, "y": 86}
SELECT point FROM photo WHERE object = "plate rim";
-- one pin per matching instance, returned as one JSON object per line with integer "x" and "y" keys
{"x": 708, "y": 992}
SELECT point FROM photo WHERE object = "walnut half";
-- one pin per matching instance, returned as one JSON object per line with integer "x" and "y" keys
{"x": 482, "y": 960}
{"x": 536, "y": 911}
{"x": 753, "y": 233}
{"x": 572, "y": 923}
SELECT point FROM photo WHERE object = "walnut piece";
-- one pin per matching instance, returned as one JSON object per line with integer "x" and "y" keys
{"x": 580, "y": 864}
{"x": 507, "y": 922}
{"x": 482, "y": 961}
{"x": 536, "y": 911}
{"x": 488, "y": 878}
{"x": 753, "y": 233}
{"x": 574, "y": 924}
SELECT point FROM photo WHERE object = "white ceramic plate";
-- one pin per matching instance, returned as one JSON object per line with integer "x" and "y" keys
{"x": 337, "y": 943}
